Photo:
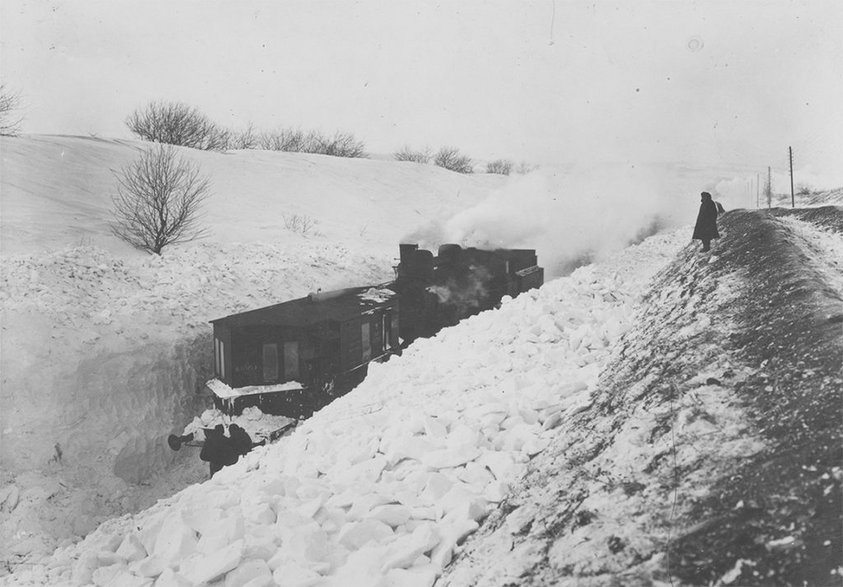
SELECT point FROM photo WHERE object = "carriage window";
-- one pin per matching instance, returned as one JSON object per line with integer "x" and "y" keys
{"x": 291, "y": 360}
{"x": 387, "y": 331}
{"x": 365, "y": 330}
{"x": 217, "y": 357}
{"x": 220, "y": 358}
{"x": 270, "y": 362}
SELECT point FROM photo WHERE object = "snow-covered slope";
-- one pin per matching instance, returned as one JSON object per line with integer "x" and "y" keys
{"x": 104, "y": 347}
{"x": 56, "y": 191}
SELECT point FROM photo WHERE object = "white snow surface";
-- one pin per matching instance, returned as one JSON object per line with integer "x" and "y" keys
{"x": 223, "y": 391}
{"x": 381, "y": 486}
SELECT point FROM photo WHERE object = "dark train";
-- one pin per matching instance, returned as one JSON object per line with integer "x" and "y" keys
{"x": 295, "y": 357}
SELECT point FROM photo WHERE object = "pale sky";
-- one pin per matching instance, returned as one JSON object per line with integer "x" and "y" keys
{"x": 727, "y": 83}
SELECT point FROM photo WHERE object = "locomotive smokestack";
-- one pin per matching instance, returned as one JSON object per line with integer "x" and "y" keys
{"x": 406, "y": 251}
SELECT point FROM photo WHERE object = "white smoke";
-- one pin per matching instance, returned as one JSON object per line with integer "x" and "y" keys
{"x": 568, "y": 216}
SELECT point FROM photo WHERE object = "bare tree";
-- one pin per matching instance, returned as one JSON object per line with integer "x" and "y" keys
{"x": 176, "y": 123}
{"x": 158, "y": 200}
{"x": 450, "y": 158}
{"x": 9, "y": 103}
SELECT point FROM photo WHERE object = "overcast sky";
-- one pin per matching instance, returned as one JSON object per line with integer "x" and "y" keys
{"x": 731, "y": 82}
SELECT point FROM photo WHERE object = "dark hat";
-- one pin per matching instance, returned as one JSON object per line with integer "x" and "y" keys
{"x": 705, "y": 195}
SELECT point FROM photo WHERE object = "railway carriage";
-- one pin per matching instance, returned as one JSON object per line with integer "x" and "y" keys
{"x": 293, "y": 358}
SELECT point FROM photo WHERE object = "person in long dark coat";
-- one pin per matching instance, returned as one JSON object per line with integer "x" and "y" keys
{"x": 706, "y": 227}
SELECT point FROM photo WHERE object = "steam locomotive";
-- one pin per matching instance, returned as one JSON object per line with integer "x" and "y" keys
{"x": 292, "y": 358}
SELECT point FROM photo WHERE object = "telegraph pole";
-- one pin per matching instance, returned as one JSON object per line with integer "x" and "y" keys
{"x": 757, "y": 190}
{"x": 769, "y": 187}
{"x": 792, "y": 198}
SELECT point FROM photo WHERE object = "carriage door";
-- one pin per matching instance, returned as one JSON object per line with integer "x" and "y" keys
{"x": 366, "y": 335}
{"x": 270, "y": 363}
{"x": 291, "y": 360}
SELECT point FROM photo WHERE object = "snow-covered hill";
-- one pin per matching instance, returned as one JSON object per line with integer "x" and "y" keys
{"x": 104, "y": 348}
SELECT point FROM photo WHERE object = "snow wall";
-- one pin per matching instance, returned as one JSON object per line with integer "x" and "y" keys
{"x": 137, "y": 398}
{"x": 113, "y": 413}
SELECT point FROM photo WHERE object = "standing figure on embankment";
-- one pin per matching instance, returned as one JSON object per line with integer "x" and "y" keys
{"x": 706, "y": 227}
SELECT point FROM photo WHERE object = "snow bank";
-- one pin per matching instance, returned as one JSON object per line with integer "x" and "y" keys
{"x": 383, "y": 485}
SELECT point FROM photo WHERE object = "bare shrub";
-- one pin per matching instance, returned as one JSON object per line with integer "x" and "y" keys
{"x": 340, "y": 144}
{"x": 9, "y": 105}
{"x": 287, "y": 139}
{"x": 803, "y": 189}
{"x": 176, "y": 123}
{"x": 158, "y": 200}
{"x": 301, "y": 224}
{"x": 244, "y": 139}
{"x": 451, "y": 159}
{"x": 500, "y": 166}
{"x": 408, "y": 154}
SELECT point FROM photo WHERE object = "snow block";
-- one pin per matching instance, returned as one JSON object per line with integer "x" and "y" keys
{"x": 496, "y": 491}
{"x": 148, "y": 533}
{"x": 201, "y": 519}
{"x": 105, "y": 575}
{"x": 84, "y": 567}
{"x": 261, "y": 582}
{"x": 404, "y": 551}
{"x": 169, "y": 578}
{"x": 415, "y": 577}
{"x": 501, "y": 464}
{"x": 149, "y": 567}
{"x": 356, "y": 534}
{"x": 362, "y": 567}
{"x": 409, "y": 447}
{"x": 392, "y": 514}
{"x": 225, "y": 531}
{"x": 434, "y": 427}
{"x": 175, "y": 541}
{"x": 475, "y": 475}
{"x": 438, "y": 484}
{"x": 451, "y": 457}
{"x": 294, "y": 575}
{"x": 260, "y": 543}
{"x": 365, "y": 504}
{"x": 247, "y": 571}
{"x": 260, "y": 513}
{"x": 203, "y": 568}
{"x": 309, "y": 544}
{"x": 131, "y": 549}
{"x": 127, "y": 579}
